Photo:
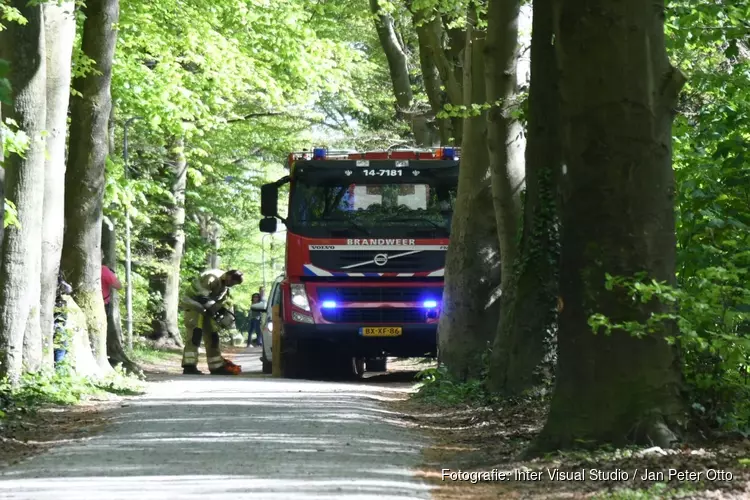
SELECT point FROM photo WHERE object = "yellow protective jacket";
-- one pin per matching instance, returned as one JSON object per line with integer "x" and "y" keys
{"x": 207, "y": 285}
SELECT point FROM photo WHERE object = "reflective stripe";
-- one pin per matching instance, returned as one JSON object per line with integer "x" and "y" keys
{"x": 214, "y": 359}
{"x": 216, "y": 364}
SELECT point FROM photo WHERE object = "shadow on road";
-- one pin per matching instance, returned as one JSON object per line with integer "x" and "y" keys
{"x": 261, "y": 438}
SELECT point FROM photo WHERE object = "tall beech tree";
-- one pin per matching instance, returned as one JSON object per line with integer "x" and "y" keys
{"x": 60, "y": 26}
{"x": 23, "y": 46}
{"x": 618, "y": 95}
{"x": 84, "y": 178}
{"x": 504, "y": 131}
{"x": 466, "y": 325}
{"x": 167, "y": 284}
{"x": 523, "y": 353}
{"x": 398, "y": 66}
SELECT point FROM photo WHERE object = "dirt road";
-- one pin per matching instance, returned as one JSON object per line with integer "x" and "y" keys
{"x": 237, "y": 437}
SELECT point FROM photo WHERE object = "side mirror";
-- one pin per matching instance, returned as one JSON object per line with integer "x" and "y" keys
{"x": 268, "y": 225}
{"x": 269, "y": 200}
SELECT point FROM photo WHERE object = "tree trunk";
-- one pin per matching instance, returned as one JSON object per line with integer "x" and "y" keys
{"x": 618, "y": 93}
{"x": 2, "y": 183}
{"x": 60, "y": 26}
{"x": 398, "y": 67}
{"x": 431, "y": 79}
{"x": 464, "y": 330}
{"x": 524, "y": 350}
{"x": 166, "y": 328}
{"x": 84, "y": 179}
{"x": 505, "y": 133}
{"x": 430, "y": 33}
{"x": 20, "y": 265}
{"x": 115, "y": 351}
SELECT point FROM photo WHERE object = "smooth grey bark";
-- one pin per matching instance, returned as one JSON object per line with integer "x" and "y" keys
{"x": 84, "y": 178}
{"x": 60, "y": 26}
{"x": 398, "y": 67}
{"x": 505, "y": 133}
{"x": 618, "y": 94}
{"x": 166, "y": 328}
{"x": 20, "y": 265}
{"x": 524, "y": 351}
{"x": 2, "y": 184}
{"x": 471, "y": 272}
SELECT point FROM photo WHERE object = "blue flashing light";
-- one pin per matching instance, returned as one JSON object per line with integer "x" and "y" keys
{"x": 319, "y": 153}
{"x": 329, "y": 304}
{"x": 449, "y": 153}
{"x": 429, "y": 304}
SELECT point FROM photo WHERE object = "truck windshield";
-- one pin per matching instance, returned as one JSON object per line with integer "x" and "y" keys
{"x": 361, "y": 209}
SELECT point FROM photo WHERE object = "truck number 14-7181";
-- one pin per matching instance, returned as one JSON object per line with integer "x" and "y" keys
{"x": 383, "y": 173}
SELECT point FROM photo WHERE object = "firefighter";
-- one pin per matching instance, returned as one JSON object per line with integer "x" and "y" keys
{"x": 206, "y": 312}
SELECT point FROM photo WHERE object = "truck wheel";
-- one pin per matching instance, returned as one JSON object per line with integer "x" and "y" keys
{"x": 377, "y": 364}
{"x": 356, "y": 368}
{"x": 267, "y": 367}
{"x": 290, "y": 365}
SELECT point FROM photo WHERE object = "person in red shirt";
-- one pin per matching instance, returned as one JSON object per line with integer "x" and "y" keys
{"x": 109, "y": 281}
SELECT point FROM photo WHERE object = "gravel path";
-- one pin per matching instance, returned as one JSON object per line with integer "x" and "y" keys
{"x": 237, "y": 437}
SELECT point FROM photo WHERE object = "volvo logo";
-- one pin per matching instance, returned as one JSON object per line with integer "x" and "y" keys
{"x": 380, "y": 259}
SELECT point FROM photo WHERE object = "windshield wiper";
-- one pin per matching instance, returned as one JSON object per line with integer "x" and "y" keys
{"x": 418, "y": 219}
{"x": 348, "y": 221}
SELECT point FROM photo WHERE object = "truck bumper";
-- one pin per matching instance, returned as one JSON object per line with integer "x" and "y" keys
{"x": 418, "y": 340}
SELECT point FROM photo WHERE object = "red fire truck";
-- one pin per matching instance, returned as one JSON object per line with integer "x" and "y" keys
{"x": 367, "y": 235}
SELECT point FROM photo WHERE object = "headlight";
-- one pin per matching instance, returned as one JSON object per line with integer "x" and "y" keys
{"x": 299, "y": 296}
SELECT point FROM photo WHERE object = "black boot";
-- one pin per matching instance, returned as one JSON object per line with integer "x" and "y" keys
{"x": 191, "y": 370}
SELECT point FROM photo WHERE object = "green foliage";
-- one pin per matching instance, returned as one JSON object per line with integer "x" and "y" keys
{"x": 712, "y": 314}
{"x": 440, "y": 388}
{"x": 62, "y": 387}
{"x": 144, "y": 353}
{"x": 657, "y": 491}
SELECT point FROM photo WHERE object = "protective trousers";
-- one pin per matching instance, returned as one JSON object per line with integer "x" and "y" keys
{"x": 201, "y": 327}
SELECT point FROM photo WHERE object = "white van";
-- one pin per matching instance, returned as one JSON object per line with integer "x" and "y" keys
{"x": 266, "y": 325}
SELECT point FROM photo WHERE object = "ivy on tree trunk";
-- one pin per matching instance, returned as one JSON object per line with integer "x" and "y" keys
{"x": 524, "y": 350}
{"x": 618, "y": 92}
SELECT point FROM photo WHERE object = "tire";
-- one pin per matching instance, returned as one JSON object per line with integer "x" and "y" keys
{"x": 377, "y": 364}
{"x": 353, "y": 368}
{"x": 289, "y": 365}
{"x": 267, "y": 367}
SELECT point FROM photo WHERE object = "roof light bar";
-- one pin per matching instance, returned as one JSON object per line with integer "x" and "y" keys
{"x": 319, "y": 154}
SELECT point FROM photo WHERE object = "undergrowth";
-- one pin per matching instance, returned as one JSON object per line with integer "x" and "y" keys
{"x": 655, "y": 492}
{"x": 440, "y": 388}
{"x": 62, "y": 387}
{"x": 144, "y": 353}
